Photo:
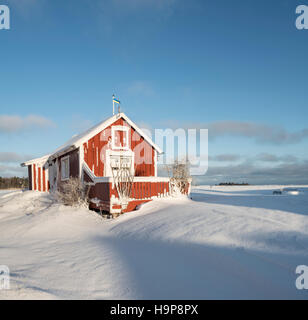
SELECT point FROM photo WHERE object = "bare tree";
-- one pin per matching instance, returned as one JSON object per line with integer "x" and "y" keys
{"x": 180, "y": 179}
{"x": 73, "y": 193}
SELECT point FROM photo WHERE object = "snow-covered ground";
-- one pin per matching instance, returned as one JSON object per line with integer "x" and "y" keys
{"x": 227, "y": 242}
{"x": 5, "y": 191}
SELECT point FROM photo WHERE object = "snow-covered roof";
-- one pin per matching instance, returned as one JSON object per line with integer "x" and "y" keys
{"x": 36, "y": 160}
{"x": 77, "y": 140}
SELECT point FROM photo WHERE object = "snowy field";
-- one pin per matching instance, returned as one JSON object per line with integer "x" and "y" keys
{"x": 225, "y": 243}
{"x": 5, "y": 191}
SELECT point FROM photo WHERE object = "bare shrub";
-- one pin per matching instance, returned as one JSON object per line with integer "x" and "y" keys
{"x": 180, "y": 178}
{"x": 73, "y": 193}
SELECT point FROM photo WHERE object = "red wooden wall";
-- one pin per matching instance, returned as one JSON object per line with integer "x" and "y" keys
{"x": 39, "y": 182}
{"x": 95, "y": 151}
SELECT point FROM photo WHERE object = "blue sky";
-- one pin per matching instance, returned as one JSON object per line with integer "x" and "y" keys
{"x": 240, "y": 66}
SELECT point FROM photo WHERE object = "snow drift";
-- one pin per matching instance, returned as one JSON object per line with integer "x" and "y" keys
{"x": 224, "y": 243}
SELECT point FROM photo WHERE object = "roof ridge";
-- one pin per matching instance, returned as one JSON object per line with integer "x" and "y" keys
{"x": 76, "y": 140}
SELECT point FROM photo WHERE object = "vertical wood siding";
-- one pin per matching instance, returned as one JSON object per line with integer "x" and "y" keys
{"x": 73, "y": 164}
{"x": 34, "y": 176}
{"x": 30, "y": 176}
{"x": 95, "y": 151}
{"x": 44, "y": 179}
{"x": 39, "y": 179}
{"x": 141, "y": 192}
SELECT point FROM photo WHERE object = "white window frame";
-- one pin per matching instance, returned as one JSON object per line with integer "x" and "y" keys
{"x": 113, "y": 131}
{"x": 67, "y": 176}
{"x": 111, "y": 153}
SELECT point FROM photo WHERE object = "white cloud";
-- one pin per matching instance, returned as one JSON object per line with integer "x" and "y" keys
{"x": 10, "y": 171}
{"x": 260, "y": 133}
{"x": 9, "y": 157}
{"x": 268, "y": 157}
{"x": 225, "y": 157}
{"x": 248, "y": 171}
{"x": 11, "y": 124}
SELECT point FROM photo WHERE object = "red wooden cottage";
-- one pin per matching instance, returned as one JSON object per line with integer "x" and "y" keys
{"x": 96, "y": 157}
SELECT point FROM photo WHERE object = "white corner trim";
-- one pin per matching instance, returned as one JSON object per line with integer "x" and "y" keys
{"x": 155, "y": 163}
{"x": 89, "y": 172}
{"x": 32, "y": 178}
{"x": 81, "y": 161}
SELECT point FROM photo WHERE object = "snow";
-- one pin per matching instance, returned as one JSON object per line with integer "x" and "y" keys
{"x": 8, "y": 191}
{"x": 236, "y": 242}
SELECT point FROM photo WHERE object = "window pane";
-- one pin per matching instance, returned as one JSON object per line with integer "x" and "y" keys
{"x": 65, "y": 168}
{"x": 120, "y": 138}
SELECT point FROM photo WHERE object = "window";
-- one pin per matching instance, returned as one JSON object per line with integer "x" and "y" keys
{"x": 120, "y": 138}
{"x": 115, "y": 157}
{"x": 65, "y": 168}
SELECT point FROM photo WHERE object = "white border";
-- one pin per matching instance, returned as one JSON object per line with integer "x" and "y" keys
{"x": 63, "y": 159}
{"x": 109, "y": 153}
{"x": 123, "y": 129}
